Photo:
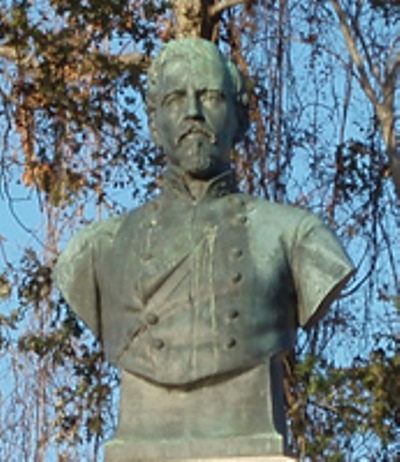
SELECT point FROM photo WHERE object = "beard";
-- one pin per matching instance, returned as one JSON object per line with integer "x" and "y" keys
{"x": 198, "y": 155}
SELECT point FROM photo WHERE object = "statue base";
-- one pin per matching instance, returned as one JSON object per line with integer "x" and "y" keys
{"x": 238, "y": 419}
{"x": 123, "y": 452}
{"x": 125, "y": 458}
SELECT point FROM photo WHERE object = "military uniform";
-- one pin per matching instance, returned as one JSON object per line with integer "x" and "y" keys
{"x": 180, "y": 291}
{"x": 188, "y": 293}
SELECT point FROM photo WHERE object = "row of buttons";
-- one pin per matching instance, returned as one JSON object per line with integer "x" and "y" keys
{"x": 236, "y": 253}
{"x": 159, "y": 344}
{"x": 152, "y": 319}
{"x": 238, "y": 219}
{"x": 152, "y": 222}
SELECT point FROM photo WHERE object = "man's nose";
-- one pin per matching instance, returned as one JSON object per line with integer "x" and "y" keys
{"x": 193, "y": 107}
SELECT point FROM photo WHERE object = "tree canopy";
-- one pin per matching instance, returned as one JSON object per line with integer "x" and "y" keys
{"x": 324, "y": 84}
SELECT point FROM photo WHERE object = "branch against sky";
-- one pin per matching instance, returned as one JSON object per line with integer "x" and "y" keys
{"x": 194, "y": 18}
{"x": 381, "y": 99}
{"x": 223, "y": 5}
{"x": 11, "y": 54}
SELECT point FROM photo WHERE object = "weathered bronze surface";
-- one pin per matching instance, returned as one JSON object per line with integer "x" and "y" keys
{"x": 196, "y": 294}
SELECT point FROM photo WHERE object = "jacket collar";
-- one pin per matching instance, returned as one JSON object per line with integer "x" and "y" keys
{"x": 221, "y": 185}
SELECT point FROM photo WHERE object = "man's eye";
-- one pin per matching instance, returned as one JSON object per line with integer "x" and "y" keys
{"x": 172, "y": 99}
{"x": 213, "y": 96}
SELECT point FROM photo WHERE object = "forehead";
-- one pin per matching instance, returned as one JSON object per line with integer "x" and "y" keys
{"x": 201, "y": 72}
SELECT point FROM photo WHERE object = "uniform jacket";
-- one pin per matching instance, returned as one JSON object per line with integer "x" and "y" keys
{"x": 181, "y": 291}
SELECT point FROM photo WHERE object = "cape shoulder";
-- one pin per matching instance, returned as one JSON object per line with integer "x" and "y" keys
{"x": 86, "y": 239}
{"x": 319, "y": 265}
{"x": 75, "y": 271}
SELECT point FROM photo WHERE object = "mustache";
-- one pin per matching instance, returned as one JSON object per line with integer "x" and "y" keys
{"x": 198, "y": 129}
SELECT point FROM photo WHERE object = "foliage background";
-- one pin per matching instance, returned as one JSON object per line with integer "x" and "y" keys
{"x": 75, "y": 148}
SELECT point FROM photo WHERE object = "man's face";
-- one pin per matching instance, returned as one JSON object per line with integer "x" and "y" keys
{"x": 195, "y": 118}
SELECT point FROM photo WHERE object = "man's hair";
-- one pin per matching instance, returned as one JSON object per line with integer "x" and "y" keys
{"x": 202, "y": 49}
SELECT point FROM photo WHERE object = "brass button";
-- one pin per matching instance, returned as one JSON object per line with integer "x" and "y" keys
{"x": 151, "y": 319}
{"x": 241, "y": 219}
{"x": 233, "y": 314}
{"x": 237, "y": 253}
{"x": 238, "y": 201}
{"x": 237, "y": 277}
{"x": 158, "y": 343}
{"x": 231, "y": 343}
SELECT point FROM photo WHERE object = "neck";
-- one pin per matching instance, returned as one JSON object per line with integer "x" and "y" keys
{"x": 195, "y": 186}
{"x": 198, "y": 188}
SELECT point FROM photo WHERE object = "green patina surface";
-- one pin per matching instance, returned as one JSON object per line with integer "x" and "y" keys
{"x": 195, "y": 292}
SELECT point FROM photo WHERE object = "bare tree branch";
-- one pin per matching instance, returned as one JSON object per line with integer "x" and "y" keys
{"x": 367, "y": 57}
{"x": 384, "y": 109}
{"x": 392, "y": 64}
{"x": 10, "y": 53}
{"x": 393, "y": 69}
{"x": 219, "y": 7}
{"x": 355, "y": 55}
{"x": 137, "y": 61}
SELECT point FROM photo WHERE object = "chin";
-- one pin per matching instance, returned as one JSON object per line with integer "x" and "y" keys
{"x": 201, "y": 160}
{"x": 203, "y": 167}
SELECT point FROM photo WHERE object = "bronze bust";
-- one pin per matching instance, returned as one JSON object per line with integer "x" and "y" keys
{"x": 196, "y": 293}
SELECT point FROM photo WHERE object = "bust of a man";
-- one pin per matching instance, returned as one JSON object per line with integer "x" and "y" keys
{"x": 197, "y": 293}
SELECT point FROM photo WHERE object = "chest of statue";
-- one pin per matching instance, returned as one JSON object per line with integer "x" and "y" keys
{"x": 198, "y": 291}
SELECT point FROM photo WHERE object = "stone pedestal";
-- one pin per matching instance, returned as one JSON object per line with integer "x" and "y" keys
{"x": 230, "y": 459}
{"x": 240, "y": 418}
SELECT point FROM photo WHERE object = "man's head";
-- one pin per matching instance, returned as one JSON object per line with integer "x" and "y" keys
{"x": 197, "y": 106}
